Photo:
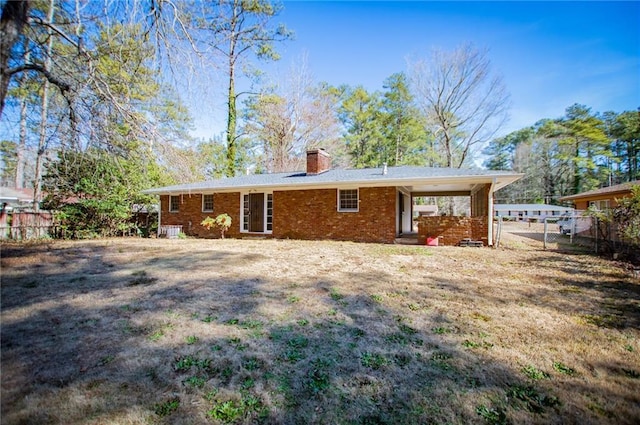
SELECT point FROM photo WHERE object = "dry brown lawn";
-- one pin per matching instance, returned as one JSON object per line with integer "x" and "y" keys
{"x": 141, "y": 331}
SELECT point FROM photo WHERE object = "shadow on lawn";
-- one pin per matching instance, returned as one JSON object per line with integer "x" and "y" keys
{"x": 353, "y": 361}
{"x": 591, "y": 290}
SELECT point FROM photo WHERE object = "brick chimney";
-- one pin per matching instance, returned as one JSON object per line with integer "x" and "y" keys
{"x": 318, "y": 161}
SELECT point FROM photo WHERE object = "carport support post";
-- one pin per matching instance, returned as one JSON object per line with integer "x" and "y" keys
{"x": 490, "y": 213}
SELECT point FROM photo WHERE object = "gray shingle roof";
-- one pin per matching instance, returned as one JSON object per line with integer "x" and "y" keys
{"x": 624, "y": 187}
{"x": 335, "y": 177}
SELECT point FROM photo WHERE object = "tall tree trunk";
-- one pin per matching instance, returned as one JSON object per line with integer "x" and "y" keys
{"x": 231, "y": 124}
{"x": 42, "y": 142}
{"x": 22, "y": 142}
{"x": 14, "y": 16}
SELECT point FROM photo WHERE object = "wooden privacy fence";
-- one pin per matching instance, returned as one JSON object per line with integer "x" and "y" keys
{"x": 23, "y": 225}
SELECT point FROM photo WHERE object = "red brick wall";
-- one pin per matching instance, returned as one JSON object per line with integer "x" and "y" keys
{"x": 298, "y": 214}
{"x": 451, "y": 230}
{"x": 313, "y": 214}
{"x": 190, "y": 214}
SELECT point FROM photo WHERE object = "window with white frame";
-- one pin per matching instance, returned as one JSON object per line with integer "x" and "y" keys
{"x": 245, "y": 212}
{"x": 174, "y": 203}
{"x": 269, "y": 212}
{"x": 599, "y": 205}
{"x": 348, "y": 200}
{"x": 207, "y": 203}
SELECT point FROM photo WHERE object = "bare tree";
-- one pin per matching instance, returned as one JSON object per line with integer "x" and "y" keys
{"x": 464, "y": 103}
{"x": 292, "y": 117}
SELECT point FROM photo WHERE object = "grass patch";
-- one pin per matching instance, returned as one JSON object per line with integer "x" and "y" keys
{"x": 534, "y": 373}
{"x": 167, "y": 407}
{"x": 493, "y": 415}
{"x": 373, "y": 360}
{"x": 529, "y": 398}
{"x": 564, "y": 369}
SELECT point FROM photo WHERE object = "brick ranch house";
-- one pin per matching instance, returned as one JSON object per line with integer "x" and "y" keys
{"x": 363, "y": 205}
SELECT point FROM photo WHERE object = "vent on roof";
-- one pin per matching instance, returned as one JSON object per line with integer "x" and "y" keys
{"x": 318, "y": 161}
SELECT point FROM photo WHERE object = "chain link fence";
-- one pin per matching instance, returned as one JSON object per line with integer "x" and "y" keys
{"x": 552, "y": 232}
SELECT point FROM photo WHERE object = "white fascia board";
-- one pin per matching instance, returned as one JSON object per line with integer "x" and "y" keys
{"x": 501, "y": 181}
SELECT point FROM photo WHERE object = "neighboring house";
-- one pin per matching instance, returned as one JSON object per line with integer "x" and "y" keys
{"x": 18, "y": 220}
{"x": 366, "y": 205}
{"x": 530, "y": 211}
{"x": 16, "y": 198}
{"x": 601, "y": 198}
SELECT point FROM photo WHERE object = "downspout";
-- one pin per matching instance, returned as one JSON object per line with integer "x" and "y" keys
{"x": 490, "y": 213}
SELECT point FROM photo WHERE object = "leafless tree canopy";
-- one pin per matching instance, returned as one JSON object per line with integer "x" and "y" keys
{"x": 464, "y": 102}
{"x": 292, "y": 117}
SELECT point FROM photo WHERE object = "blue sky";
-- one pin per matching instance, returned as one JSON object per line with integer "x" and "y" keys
{"x": 551, "y": 54}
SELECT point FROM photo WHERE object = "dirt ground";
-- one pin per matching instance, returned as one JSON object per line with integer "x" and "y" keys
{"x": 187, "y": 331}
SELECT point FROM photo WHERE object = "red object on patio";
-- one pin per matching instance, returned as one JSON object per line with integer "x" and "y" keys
{"x": 432, "y": 241}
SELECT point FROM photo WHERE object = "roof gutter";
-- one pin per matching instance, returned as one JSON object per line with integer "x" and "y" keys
{"x": 337, "y": 184}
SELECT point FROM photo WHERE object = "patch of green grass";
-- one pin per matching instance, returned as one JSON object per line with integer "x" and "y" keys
{"x": 251, "y": 324}
{"x": 373, "y": 360}
{"x": 472, "y": 344}
{"x": 413, "y": 307}
{"x": 406, "y": 329}
{"x": 440, "y": 330}
{"x": 191, "y": 339}
{"x": 302, "y": 322}
{"x": 166, "y": 407}
{"x": 530, "y": 398}
{"x": 376, "y": 298}
{"x": 318, "y": 376}
{"x": 209, "y": 319}
{"x": 248, "y": 383}
{"x": 195, "y": 381}
{"x": 184, "y": 363}
{"x": 441, "y": 360}
{"x": 231, "y": 411}
{"x": 629, "y": 348}
{"x": 564, "y": 369}
{"x": 293, "y": 299}
{"x": 337, "y": 296}
{"x": 226, "y": 412}
{"x": 604, "y": 320}
{"x": 159, "y": 332}
{"x": 211, "y": 395}
{"x": 252, "y": 363}
{"x": 232, "y": 322}
{"x": 237, "y": 343}
{"x": 398, "y": 338}
{"x": 493, "y": 415}
{"x": 534, "y": 373}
